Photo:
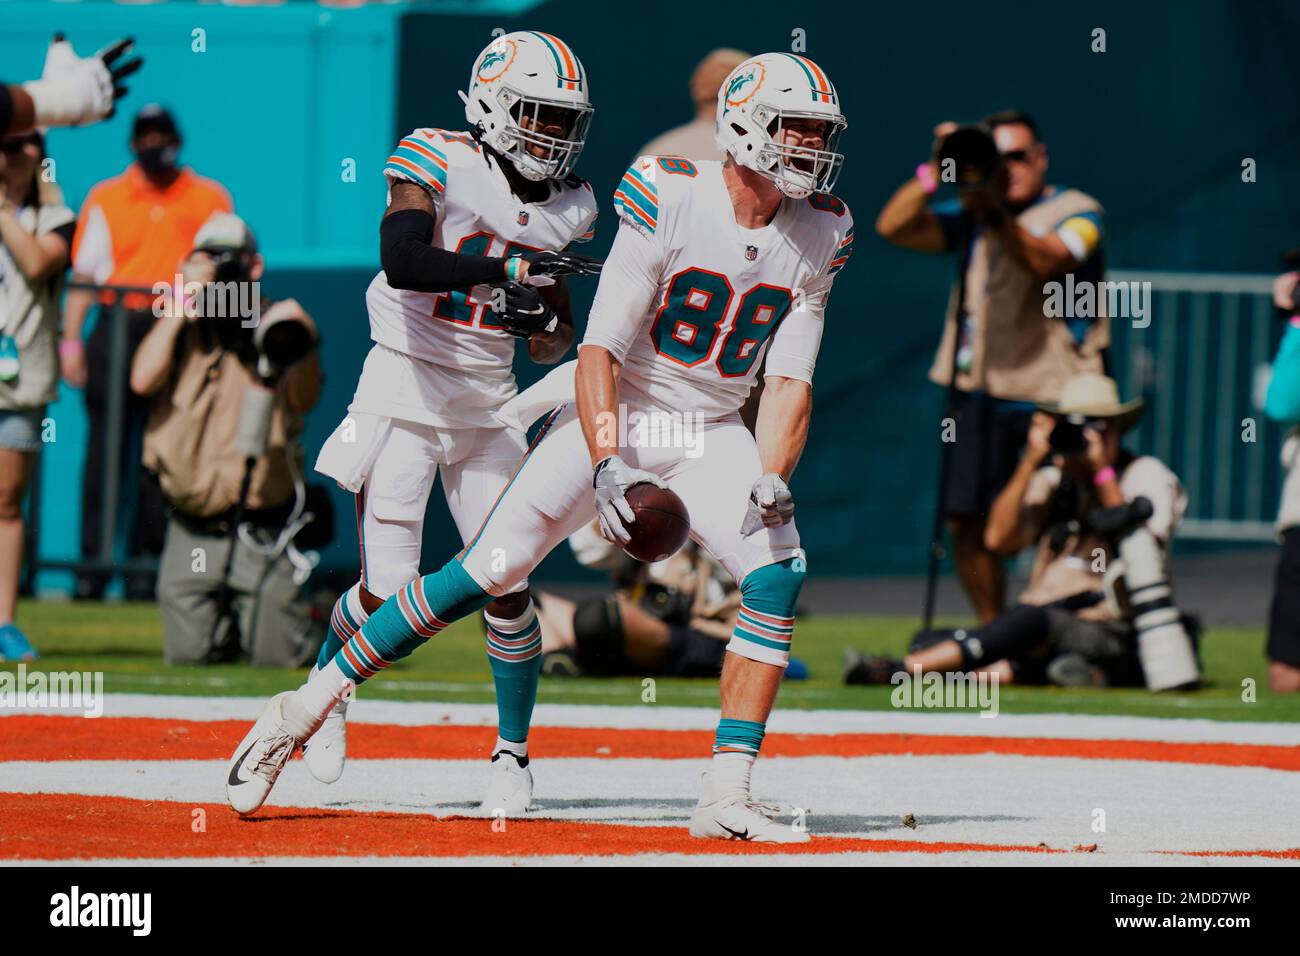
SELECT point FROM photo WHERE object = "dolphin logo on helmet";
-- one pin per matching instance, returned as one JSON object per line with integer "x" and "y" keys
{"x": 739, "y": 80}
{"x": 498, "y": 55}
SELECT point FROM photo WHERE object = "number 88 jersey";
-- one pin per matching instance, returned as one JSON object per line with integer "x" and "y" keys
{"x": 691, "y": 302}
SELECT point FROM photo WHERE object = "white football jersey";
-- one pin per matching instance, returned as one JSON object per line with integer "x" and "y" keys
{"x": 463, "y": 358}
{"x": 691, "y": 303}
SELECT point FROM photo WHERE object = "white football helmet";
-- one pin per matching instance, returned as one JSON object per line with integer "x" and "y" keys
{"x": 755, "y": 103}
{"x": 515, "y": 87}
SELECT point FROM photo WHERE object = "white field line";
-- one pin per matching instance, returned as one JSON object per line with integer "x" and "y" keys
{"x": 986, "y": 799}
{"x": 656, "y": 717}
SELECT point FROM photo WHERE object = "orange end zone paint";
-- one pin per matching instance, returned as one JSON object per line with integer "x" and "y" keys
{"x": 48, "y": 737}
{"x": 70, "y": 827}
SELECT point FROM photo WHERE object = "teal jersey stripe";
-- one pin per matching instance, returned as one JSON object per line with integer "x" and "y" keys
{"x": 633, "y": 213}
{"x": 431, "y": 169}
{"x": 651, "y": 209}
{"x": 650, "y": 187}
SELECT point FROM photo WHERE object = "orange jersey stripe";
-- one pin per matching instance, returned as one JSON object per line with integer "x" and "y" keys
{"x": 425, "y": 151}
{"x": 416, "y": 171}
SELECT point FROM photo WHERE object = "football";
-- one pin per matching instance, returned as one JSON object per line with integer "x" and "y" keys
{"x": 662, "y": 523}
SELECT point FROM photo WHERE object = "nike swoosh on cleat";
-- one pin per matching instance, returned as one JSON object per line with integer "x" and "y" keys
{"x": 522, "y": 761}
{"x": 742, "y": 835}
{"x": 233, "y": 779}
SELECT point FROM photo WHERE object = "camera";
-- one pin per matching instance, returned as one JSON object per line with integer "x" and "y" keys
{"x": 1067, "y": 437}
{"x": 229, "y": 265}
{"x": 1137, "y": 582}
{"x": 972, "y": 156}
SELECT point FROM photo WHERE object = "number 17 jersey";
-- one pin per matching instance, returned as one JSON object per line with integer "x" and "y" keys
{"x": 448, "y": 360}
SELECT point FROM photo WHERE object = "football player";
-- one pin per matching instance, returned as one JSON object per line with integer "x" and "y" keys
{"x": 467, "y": 269}
{"x": 716, "y": 267}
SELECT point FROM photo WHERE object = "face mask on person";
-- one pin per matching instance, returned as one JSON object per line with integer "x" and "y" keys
{"x": 157, "y": 159}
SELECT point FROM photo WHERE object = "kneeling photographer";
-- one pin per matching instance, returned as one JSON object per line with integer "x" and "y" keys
{"x": 231, "y": 376}
{"x": 1098, "y": 609}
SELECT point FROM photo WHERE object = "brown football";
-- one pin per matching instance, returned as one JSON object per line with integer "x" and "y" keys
{"x": 662, "y": 524}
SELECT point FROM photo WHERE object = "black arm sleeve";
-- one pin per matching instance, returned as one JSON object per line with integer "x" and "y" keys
{"x": 6, "y": 108}
{"x": 411, "y": 263}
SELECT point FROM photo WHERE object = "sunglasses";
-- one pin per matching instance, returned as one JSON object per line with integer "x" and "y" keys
{"x": 1017, "y": 155}
{"x": 1096, "y": 424}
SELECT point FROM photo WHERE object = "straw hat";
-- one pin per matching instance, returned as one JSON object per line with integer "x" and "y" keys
{"x": 1093, "y": 395}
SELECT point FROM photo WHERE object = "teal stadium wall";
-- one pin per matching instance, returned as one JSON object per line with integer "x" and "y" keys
{"x": 1156, "y": 127}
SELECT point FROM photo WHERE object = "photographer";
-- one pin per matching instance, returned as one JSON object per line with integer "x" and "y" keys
{"x": 671, "y": 618}
{"x": 229, "y": 393}
{"x": 132, "y": 230}
{"x": 1094, "y": 592}
{"x": 1010, "y": 355}
{"x": 35, "y": 236}
{"x": 1282, "y": 404}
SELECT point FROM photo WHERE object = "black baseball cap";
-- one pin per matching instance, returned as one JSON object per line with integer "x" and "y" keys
{"x": 154, "y": 118}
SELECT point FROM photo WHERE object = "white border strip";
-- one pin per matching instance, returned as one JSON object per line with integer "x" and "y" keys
{"x": 655, "y": 717}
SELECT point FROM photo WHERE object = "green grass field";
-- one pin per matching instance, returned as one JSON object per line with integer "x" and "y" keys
{"x": 125, "y": 642}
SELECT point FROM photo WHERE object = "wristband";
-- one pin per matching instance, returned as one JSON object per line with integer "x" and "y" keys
{"x": 1103, "y": 476}
{"x": 926, "y": 175}
{"x": 514, "y": 266}
{"x": 68, "y": 347}
{"x": 601, "y": 466}
{"x": 1294, "y": 321}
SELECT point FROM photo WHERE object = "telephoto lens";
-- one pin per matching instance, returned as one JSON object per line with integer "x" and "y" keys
{"x": 968, "y": 157}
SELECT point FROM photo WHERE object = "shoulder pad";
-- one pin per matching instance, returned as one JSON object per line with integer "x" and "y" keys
{"x": 449, "y": 139}
{"x": 421, "y": 158}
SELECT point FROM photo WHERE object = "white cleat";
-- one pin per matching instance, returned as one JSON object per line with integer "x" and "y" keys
{"x": 327, "y": 750}
{"x": 510, "y": 789}
{"x": 734, "y": 817}
{"x": 261, "y": 755}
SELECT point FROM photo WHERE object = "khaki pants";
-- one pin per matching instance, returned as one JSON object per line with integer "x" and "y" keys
{"x": 267, "y": 619}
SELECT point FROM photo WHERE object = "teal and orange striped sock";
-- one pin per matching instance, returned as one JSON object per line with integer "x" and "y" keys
{"x": 346, "y": 620}
{"x": 514, "y": 648}
{"x": 405, "y": 621}
{"x": 735, "y": 747}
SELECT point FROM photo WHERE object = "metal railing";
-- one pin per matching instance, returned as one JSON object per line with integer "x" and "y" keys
{"x": 1199, "y": 365}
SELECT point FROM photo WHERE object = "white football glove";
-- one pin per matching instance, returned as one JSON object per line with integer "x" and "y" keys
{"x": 73, "y": 90}
{"x": 612, "y": 478}
{"x": 770, "y": 505}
